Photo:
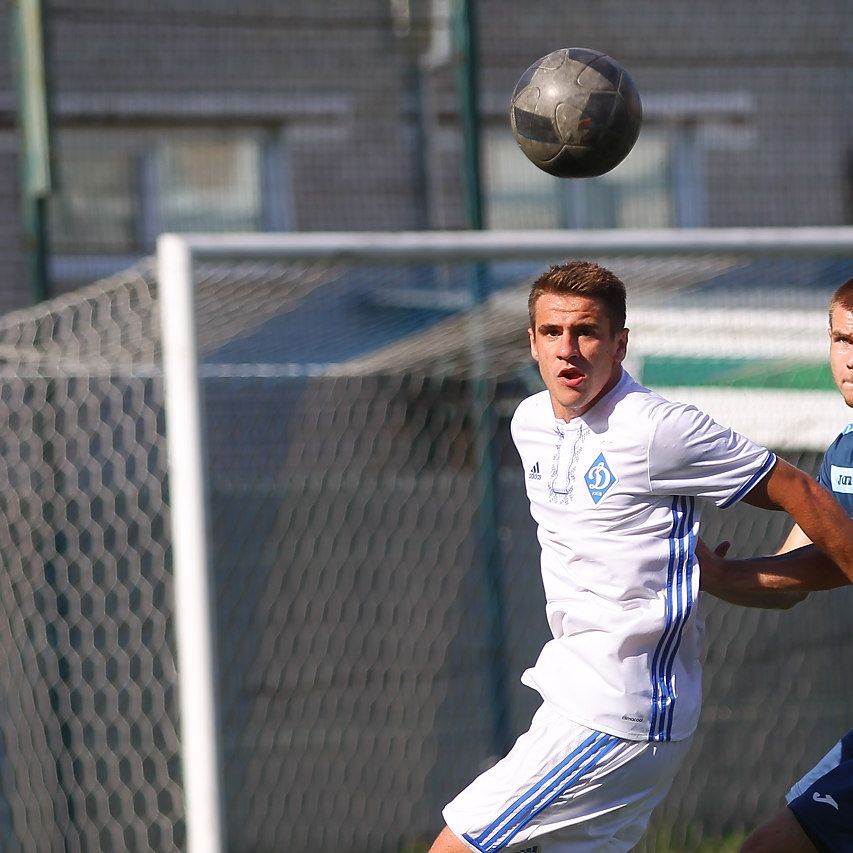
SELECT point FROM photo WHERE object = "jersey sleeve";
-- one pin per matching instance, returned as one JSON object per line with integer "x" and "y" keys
{"x": 824, "y": 475}
{"x": 691, "y": 454}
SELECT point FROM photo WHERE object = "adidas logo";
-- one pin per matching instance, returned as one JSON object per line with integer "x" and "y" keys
{"x": 534, "y": 473}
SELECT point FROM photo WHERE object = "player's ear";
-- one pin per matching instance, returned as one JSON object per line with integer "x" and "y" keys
{"x": 622, "y": 345}
{"x": 533, "y": 349}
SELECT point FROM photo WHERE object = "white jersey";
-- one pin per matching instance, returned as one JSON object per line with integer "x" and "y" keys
{"x": 613, "y": 494}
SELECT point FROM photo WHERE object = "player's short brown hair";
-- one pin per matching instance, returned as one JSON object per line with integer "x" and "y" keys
{"x": 843, "y": 298}
{"x": 582, "y": 278}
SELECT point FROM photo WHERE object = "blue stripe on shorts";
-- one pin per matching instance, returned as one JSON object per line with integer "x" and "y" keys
{"x": 585, "y": 758}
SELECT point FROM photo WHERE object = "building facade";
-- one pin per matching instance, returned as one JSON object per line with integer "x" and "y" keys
{"x": 272, "y": 116}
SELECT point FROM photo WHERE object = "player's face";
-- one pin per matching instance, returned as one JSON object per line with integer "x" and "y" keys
{"x": 841, "y": 351}
{"x": 578, "y": 354}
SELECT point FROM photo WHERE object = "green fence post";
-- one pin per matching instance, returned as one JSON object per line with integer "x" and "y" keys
{"x": 484, "y": 417}
{"x": 27, "y": 32}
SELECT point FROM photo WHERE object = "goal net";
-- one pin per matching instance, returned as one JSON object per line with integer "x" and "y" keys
{"x": 271, "y": 578}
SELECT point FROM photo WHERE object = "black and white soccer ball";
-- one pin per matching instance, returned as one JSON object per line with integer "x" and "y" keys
{"x": 576, "y": 113}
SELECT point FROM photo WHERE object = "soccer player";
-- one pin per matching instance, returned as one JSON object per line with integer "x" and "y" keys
{"x": 613, "y": 472}
{"x": 819, "y": 810}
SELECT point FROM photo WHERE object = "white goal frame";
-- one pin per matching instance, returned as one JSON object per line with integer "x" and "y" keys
{"x": 176, "y": 259}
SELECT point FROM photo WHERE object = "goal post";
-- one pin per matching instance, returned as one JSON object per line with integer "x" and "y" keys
{"x": 384, "y": 333}
{"x": 511, "y": 245}
{"x": 194, "y": 612}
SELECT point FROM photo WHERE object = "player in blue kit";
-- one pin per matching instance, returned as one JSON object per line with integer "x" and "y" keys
{"x": 612, "y": 472}
{"x": 819, "y": 811}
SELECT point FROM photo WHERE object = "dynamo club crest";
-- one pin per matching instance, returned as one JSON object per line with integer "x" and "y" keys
{"x": 599, "y": 478}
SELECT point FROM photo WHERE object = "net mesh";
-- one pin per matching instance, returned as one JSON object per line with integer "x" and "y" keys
{"x": 374, "y": 566}
{"x": 89, "y": 738}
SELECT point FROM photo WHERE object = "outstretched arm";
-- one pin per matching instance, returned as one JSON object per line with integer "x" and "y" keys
{"x": 814, "y": 509}
{"x": 784, "y": 580}
{"x": 778, "y": 582}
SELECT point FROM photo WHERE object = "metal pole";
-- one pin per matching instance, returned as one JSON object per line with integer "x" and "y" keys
{"x": 28, "y": 49}
{"x": 194, "y": 612}
{"x": 485, "y": 421}
{"x": 445, "y": 246}
{"x": 465, "y": 31}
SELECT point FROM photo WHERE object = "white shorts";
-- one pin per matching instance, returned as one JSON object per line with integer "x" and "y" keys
{"x": 564, "y": 787}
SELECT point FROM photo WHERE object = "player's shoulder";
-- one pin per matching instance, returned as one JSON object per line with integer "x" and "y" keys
{"x": 659, "y": 407}
{"x": 658, "y": 421}
{"x": 635, "y": 403}
{"x": 844, "y": 439}
{"x": 842, "y": 447}
{"x": 533, "y": 409}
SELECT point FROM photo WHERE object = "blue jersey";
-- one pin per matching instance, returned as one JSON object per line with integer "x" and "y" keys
{"x": 822, "y": 801}
{"x": 836, "y": 472}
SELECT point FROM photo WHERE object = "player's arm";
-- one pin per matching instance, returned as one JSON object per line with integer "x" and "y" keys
{"x": 779, "y": 581}
{"x": 750, "y": 584}
{"x": 783, "y": 580}
{"x": 820, "y": 517}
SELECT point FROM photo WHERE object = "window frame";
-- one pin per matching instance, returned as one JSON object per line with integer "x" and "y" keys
{"x": 694, "y": 124}
{"x": 274, "y": 187}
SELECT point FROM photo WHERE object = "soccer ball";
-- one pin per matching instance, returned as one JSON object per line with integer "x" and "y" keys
{"x": 576, "y": 113}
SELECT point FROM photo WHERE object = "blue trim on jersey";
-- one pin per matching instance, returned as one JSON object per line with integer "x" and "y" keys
{"x": 678, "y": 605}
{"x": 768, "y": 464}
{"x": 500, "y": 832}
{"x": 839, "y": 456}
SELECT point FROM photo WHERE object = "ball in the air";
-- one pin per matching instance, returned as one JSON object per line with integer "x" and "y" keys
{"x": 576, "y": 113}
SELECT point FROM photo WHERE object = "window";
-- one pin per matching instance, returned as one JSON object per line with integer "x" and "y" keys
{"x": 638, "y": 193}
{"x": 661, "y": 184}
{"x": 94, "y": 209}
{"x": 208, "y": 185}
{"x": 118, "y": 189}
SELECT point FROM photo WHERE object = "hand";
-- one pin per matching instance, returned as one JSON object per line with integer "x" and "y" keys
{"x": 711, "y": 563}
{"x": 723, "y": 548}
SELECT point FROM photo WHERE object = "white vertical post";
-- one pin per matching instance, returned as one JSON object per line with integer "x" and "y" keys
{"x": 194, "y": 611}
